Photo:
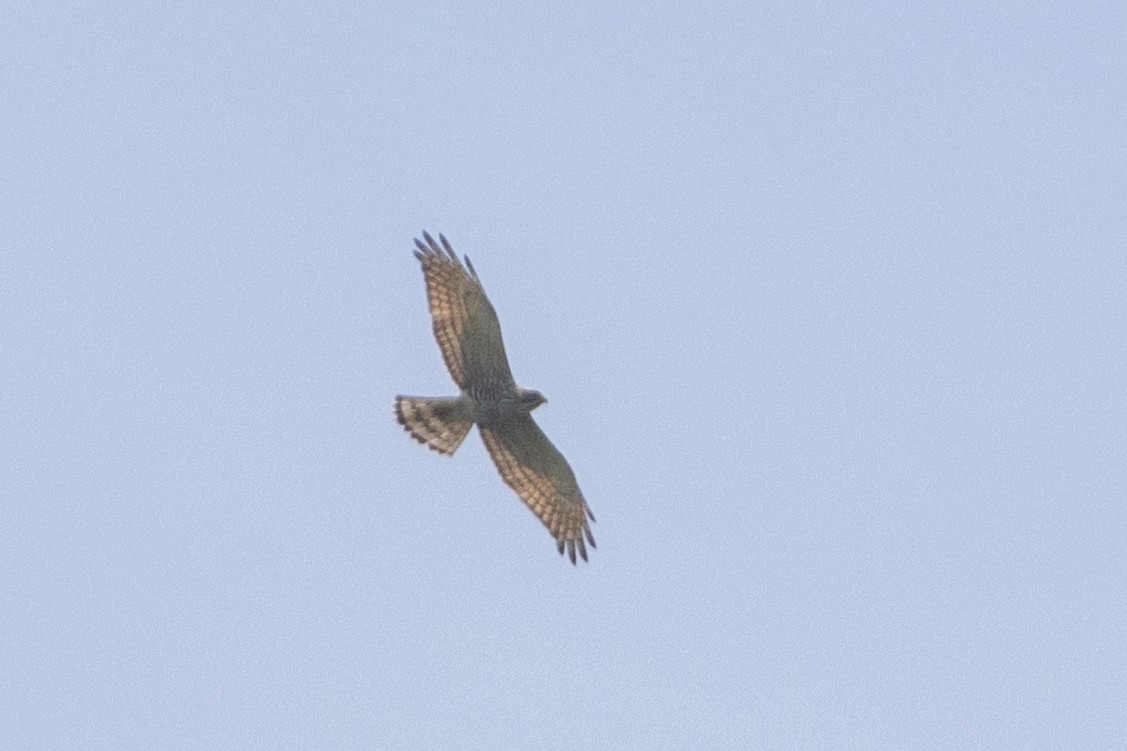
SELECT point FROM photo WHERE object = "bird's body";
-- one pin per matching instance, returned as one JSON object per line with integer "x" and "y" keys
{"x": 489, "y": 408}
{"x": 469, "y": 335}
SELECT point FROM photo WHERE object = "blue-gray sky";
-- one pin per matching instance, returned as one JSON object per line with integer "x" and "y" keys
{"x": 828, "y": 302}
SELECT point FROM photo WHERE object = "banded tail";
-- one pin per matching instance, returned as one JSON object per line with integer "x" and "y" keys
{"x": 442, "y": 424}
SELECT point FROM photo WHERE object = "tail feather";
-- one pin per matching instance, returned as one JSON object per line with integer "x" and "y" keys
{"x": 442, "y": 424}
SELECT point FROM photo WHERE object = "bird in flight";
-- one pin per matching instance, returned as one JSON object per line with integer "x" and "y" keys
{"x": 469, "y": 336}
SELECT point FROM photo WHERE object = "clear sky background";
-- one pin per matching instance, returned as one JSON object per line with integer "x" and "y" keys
{"x": 829, "y": 305}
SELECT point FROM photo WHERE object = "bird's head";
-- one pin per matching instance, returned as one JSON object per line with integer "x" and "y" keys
{"x": 530, "y": 399}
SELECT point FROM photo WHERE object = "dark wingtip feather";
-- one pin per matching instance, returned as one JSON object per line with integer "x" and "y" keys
{"x": 449, "y": 250}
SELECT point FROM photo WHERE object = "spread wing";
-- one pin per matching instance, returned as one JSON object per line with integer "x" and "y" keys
{"x": 465, "y": 323}
{"x": 538, "y": 472}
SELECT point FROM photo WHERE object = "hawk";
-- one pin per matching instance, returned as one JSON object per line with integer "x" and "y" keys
{"x": 469, "y": 336}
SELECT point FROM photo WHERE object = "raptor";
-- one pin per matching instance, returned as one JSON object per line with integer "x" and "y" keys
{"x": 469, "y": 336}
